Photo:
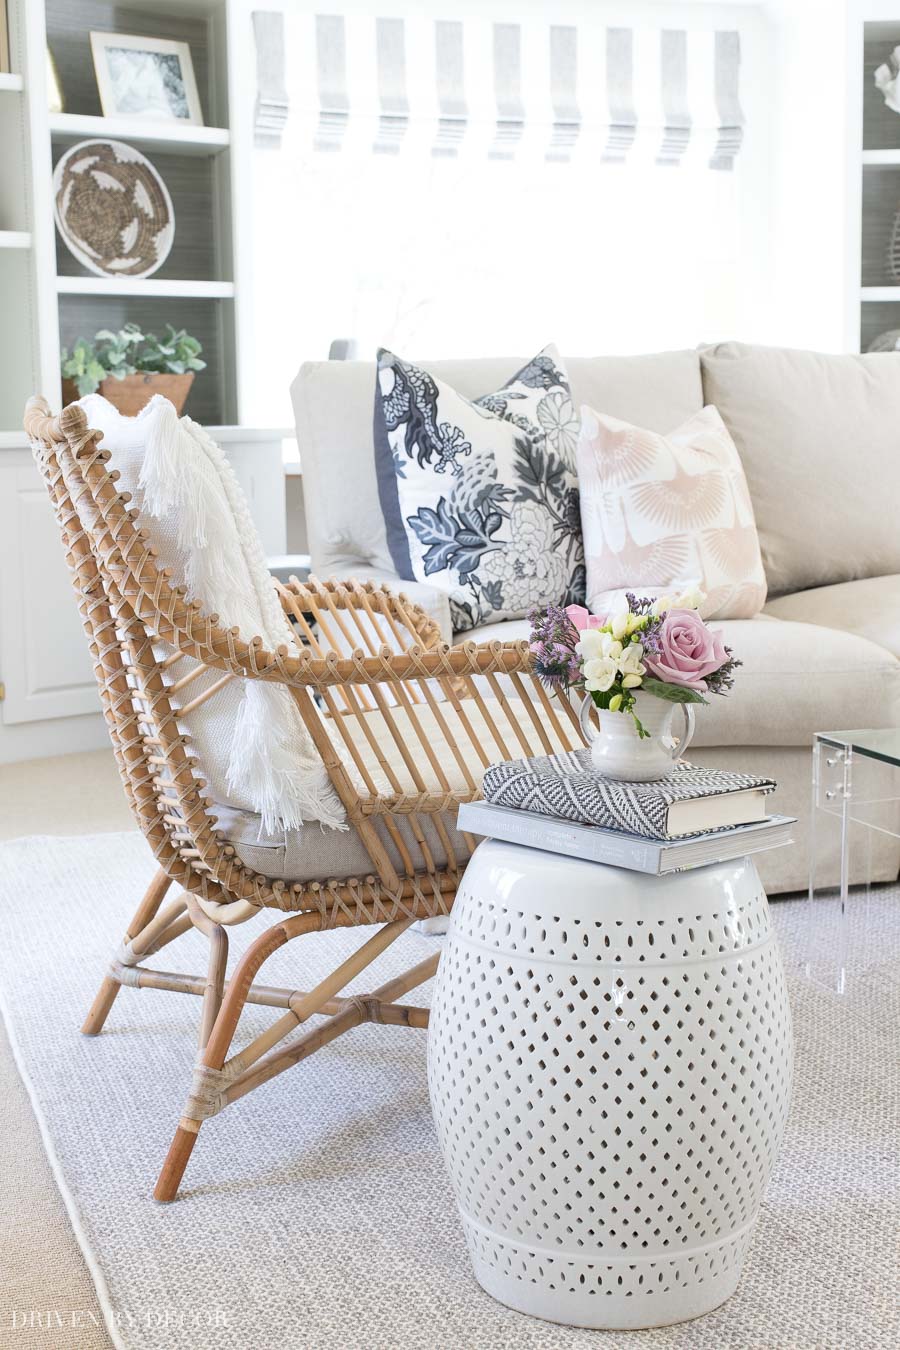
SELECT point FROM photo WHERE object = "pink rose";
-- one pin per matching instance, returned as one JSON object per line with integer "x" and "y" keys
{"x": 689, "y": 651}
{"x": 582, "y": 618}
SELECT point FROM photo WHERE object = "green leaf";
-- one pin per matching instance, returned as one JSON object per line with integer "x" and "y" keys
{"x": 128, "y": 351}
{"x": 671, "y": 693}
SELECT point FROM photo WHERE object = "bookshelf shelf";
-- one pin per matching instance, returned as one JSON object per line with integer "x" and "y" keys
{"x": 171, "y": 137}
{"x": 149, "y": 287}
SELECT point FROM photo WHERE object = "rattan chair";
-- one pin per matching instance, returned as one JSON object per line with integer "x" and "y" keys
{"x": 404, "y": 727}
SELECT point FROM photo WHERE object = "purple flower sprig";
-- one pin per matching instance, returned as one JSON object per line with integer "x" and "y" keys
{"x": 721, "y": 680}
{"x": 553, "y": 641}
{"x": 649, "y": 636}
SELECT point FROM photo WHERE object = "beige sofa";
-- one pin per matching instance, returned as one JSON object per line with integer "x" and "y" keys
{"x": 818, "y": 436}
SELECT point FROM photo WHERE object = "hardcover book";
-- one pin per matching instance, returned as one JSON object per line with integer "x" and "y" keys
{"x": 688, "y": 801}
{"x": 656, "y": 856}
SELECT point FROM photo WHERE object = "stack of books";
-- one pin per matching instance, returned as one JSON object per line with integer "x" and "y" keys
{"x": 690, "y": 818}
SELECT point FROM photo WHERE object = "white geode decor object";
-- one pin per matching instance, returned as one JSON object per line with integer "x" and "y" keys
{"x": 886, "y": 78}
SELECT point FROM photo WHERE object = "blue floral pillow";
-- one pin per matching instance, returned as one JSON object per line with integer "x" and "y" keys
{"x": 480, "y": 498}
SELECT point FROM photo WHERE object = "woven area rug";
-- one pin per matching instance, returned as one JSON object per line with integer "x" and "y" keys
{"x": 316, "y": 1214}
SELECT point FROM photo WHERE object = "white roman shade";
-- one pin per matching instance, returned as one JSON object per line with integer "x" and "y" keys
{"x": 450, "y": 86}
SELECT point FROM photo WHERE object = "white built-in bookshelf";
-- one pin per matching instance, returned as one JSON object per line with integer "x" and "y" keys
{"x": 49, "y": 298}
{"x": 48, "y": 696}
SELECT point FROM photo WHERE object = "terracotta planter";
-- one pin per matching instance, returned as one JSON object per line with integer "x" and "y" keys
{"x": 130, "y": 395}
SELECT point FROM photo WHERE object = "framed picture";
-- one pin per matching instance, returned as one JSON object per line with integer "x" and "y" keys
{"x": 145, "y": 77}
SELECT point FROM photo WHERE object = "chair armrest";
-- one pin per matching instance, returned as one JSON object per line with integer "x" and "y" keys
{"x": 434, "y": 602}
{"x": 354, "y": 654}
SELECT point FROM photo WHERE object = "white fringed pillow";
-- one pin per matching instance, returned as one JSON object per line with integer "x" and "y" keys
{"x": 254, "y": 750}
{"x": 663, "y": 513}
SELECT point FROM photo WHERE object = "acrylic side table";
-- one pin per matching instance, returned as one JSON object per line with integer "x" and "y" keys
{"x": 610, "y": 1063}
{"x": 855, "y": 796}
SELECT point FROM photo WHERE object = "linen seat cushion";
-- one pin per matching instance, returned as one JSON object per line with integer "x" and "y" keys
{"x": 817, "y": 435}
{"x": 480, "y": 497}
{"x": 312, "y": 854}
{"x": 870, "y": 608}
{"x": 315, "y": 854}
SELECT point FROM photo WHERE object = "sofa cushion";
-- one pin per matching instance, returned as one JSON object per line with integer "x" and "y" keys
{"x": 870, "y": 608}
{"x": 818, "y": 438}
{"x": 797, "y": 679}
{"x": 661, "y": 513}
{"x": 333, "y": 412}
{"x": 479, "y": 496}
{"x": 514, "y": 631}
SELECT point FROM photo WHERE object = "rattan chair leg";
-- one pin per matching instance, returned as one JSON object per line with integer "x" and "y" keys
{"x": 176, "y": 1161}
{"x": 220, "y": 1039}
{"x": 146, "y": 911}
{"x": 215, "y": 984}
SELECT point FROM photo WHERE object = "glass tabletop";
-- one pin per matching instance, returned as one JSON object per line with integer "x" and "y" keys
{"x": 882, "y": 743}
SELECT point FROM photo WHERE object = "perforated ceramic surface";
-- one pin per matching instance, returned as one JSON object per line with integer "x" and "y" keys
{"x": 609, "y": 1066}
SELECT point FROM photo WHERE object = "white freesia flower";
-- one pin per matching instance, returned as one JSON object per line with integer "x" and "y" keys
{"x": 590, "y": 645}
{"x": 612, "y": 647}
{"x": 661, "y": 605}
{"x": 630, "y": 662}
{"x": 619, "y": 624}
{"x": 631, "y": 666}
{"x": 599, "y": 674}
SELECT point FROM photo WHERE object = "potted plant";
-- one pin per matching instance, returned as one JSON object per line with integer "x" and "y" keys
{"x": 130, "y": 366}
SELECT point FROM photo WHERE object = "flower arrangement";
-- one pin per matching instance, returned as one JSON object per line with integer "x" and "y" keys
{"x": 658, "y": 647}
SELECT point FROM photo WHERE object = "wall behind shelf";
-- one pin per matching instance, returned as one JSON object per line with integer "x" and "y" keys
{"x": 17, "y": 367}
{"x": 69, "y": 23}
{"x": 880, "y": 205}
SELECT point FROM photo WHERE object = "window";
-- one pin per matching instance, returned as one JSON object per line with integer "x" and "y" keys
{"x": 591, "y": 217}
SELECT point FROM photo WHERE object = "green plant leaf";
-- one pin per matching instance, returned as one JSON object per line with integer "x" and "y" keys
{"x": 128, "y": 351}
{"x": 671, "y": 693}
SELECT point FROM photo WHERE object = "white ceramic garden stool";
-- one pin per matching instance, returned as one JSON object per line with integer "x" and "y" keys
{"x": 610, "y": 1064}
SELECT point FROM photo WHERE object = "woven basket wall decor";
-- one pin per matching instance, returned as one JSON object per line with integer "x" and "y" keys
{"x": 112, "y": 209}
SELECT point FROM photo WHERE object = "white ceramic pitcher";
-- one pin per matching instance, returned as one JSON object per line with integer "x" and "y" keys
{"x": 617, "y": 751}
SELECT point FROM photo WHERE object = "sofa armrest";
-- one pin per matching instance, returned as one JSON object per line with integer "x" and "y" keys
{"x": 434, "y": 602}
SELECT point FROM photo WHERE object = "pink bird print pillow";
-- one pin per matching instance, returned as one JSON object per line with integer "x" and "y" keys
{"x": 667, "y": 513}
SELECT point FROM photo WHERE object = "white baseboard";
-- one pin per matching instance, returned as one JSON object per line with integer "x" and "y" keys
{"x": 57, "y": 736}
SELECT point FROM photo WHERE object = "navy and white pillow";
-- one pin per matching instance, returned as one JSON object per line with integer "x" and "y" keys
{"x": 480, "y": 498}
